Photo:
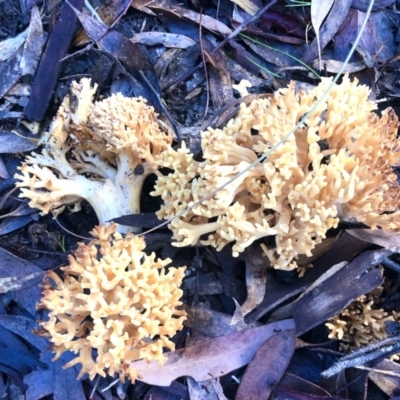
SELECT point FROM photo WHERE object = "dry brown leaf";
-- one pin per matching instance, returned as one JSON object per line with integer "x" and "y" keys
{"x": 378, "y": 237}
{"x": 24, "y": 61}
{"x": 211, "y": 323}
{"x": 109, "y": 12}
{"x": 331, "y": 26}
{"x": 344, "y": 248}
{"x": 204, "y": 285}
{"x": 337, "y": 290}
{"x": 210, "y": 359}
{"x": 377, "y": 41}
{"x": 335, "y": 66}
{"x": 220, "y": 83}
{"x": 18, "y": 282}
{"x": 389, "y": 382}
{"x": 161, "y": 6}
{"x": 256, "y": 278}
{"x": 13, "y": 143}
{"x": 206, "y": 390}
{"x": 286, "y": 311}
{"x": 10, "y": 46}
{"x": 16, "y": 273}
{"x": 238, "y": 314}
{"x": 247, "y": 5}
{"x": 268, "y": 366}
{"x": 166, "y": 39}
{"x": 294, "y": 383}
{"x": 319, "y": 11}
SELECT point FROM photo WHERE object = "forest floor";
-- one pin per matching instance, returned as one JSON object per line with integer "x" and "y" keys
{"x": 252, "y": 331}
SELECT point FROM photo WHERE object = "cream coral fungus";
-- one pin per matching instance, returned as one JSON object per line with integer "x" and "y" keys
{"x": 338, "y": 164}
{"x": 115, "y": 305}
{"x": 101, "y": 152}
{"x": 362, "y": 323}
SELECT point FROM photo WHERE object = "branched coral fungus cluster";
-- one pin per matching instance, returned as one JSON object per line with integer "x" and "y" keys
{"x": 337, "y": 164}
{"x": 115, "y": 305}
{"x": 100, "y": 152}
{"x": 362, "y": 323}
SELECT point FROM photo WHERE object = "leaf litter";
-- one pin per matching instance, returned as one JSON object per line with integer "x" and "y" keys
{"x": 319, "y": 10}
{"x": 200, "y": 361}
{"x": 216, "y": 282}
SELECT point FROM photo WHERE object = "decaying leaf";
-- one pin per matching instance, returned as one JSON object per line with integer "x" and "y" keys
{"x": 33, "y": 44}
{"x": 15, "y": 354}
{"x": 286, "y": 22}
{"x": 294, "y": 383}
{"x": 12, "y": 143}
{"x": 388, "y": 382}
{"x": 377, "y": 41}
{"x": 238, "y": 314}
{"x": 144, "y": 220}
{"x": 247, "y": 5}
{"x": 3, "y": 170}
{"x": 279, "y": 394}
{"x": 281, "y": 55}
{"x": 166, "y": 6}
{"x": 287, "y": 310}
{"x": 50, "y": 62}
{"x": 162, "y": 63}
{"x": 210, "y": 359}
{"x": 256, "y": 278}
{"x": 206, "y": 390}
{"x": 378, "y": 237}
{"x": 336, "y": 292}
{"x": 11, "y": 224}
{"x": 220, "y": 81}
{"x": 10, "y": 46}
{"x": 24, "y": 327}
{"x": 328, "y": 30}
{"x": 175, "y": 391}
{"x": 319, "y": 250}
{"x": 179, "y": 65}
{"x": 203, "y": 285}
{"x": 16, "y": 273}
{"x": 24, "y": 61}
{"x": 319, "y": 11}
{"x": 166, "y": 39}
{"x": 18, "y": 283}
{"x": 268, "y": 366}
{"x": 52, "y": 379}
{"x": 344, "y": 248}
{"x": 335, "y": 66}
{"x": 109, "y": 12}
{"x": 211, "y": 323}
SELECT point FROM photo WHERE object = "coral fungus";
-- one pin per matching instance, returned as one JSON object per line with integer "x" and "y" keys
{"x": 115, "y": 305}
{"x": 362, "y": 323}
{"x": 337, "y": 164}
{"x": 100, "y": 152}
